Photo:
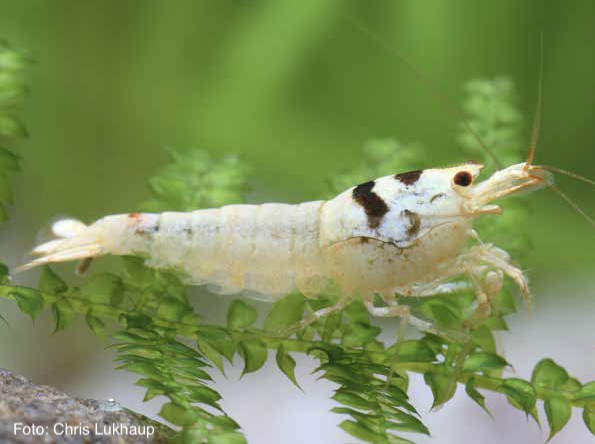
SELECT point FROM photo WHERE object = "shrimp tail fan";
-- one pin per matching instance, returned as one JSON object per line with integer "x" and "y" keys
{"x": 73, "y": 240}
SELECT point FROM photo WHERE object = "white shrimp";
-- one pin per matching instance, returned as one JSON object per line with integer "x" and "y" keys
{"x": 403, "y": 234}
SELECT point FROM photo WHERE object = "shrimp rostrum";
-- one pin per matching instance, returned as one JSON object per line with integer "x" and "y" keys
{"x": 405, "y": 234}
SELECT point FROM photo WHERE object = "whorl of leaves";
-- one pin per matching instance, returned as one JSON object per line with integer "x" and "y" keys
{"x": 160, "y": 336}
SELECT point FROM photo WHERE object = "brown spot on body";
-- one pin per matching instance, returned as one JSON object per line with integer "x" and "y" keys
{"x": 415, "y": 222}
{"x": 372, "y": 204}
{"x": 147, "y": 231}
{"x": 410, "y": 177}
{"x": 134, "y": 215}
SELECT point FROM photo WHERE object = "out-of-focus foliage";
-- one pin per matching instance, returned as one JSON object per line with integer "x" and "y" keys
{"x": 491, "y": 107}
{"x": 194, "y": 180}
{"x": 12, "y": 90}
{"x": 163, "y": 339}
{"x": 492, "y": 110}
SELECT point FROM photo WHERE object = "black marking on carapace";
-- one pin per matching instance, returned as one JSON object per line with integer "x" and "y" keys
{"x": 189, "y": 232}
{"x": 372, "y": 203}
{"x": 437, "y": 196}
{"x": 364, "y": 240}
{"x": 414, "y": 221}
{"x": 410, "y": 177}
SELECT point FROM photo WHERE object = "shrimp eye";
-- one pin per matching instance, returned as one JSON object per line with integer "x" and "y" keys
{"x": 463, "y": 178}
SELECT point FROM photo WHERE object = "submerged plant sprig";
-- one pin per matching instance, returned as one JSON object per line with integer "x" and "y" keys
{"x": 156, "y": 332}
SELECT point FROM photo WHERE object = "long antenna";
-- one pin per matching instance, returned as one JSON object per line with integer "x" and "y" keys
{"x": 568, "y": 173}
{"x": 537, "y": 117}
{"x": 446, "y": 101}
{"x": 571, "y": 203}
{"x": 563, "y": 195}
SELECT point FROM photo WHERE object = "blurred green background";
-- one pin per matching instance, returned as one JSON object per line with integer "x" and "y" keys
{"x": 295, "y": 88}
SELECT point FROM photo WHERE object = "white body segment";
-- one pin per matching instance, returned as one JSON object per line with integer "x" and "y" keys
{"x": 265, "y": 250}
{"x": 402, "y": 234}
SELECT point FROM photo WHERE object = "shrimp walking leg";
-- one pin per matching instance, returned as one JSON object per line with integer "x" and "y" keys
{"x": 485, "y": 266}
{"x": 319, "y": 314}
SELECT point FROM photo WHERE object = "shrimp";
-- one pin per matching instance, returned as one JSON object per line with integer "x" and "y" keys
{"x": 404, "y": 234}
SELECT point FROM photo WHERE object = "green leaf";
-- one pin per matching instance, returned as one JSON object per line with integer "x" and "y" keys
{"x": 333, "y": 353}
{"x": 254, "y": 352}
{"x": 240, "y": 315}
{"x": 287, "y": 364}
{"x": 357, "y": 312}
{"x": 63, "y": 314}
{"x": 331, "y": 323}
{"x": 103, "y": 288}
{"x": 360, "y": 334}
{"x": 231, "y": 437}
{"x": 476, "y": 396}
{"x": 572, "y": 385}
{"x": 95, "y": 324}
{"x": 135, "y": 320}
{"x": 495, "y": 323}
{"x": 442, "y": 384}
{"x": 413, "y": 351}
{"x": 223, "y": 421}
{"x": 366, "y": 419}
{"x": 50, "y": 282}
{"x": 218, "y": 338}
{"x": 142, "y": 367}
{"x": 589, "y": 417}
{"x": 211, "y": 354}
{"x": 521, "y": 393}
{"x": 285, "y": 313}
{"x": 484, "y": 338}
{"x": 482, "y": 361}
{"x": 586, "y": 392}
{"x": 178, "y": 415}
{"x": 362, "y": 432}
{"x": 347, "y": 372}
{"x": 204, "y": 393}
{"x": 29, "y": 300}
{"x": 445, "y": 313}
{"x": 557, "y": 410}
{"x": 348, "y": 398}
{"x": 137, "y": 271}
{"x": 548, "y": 374}
{"x": 171, "y": 309}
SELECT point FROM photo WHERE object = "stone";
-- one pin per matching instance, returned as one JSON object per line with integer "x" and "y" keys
{"x": 31, "y": 413}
